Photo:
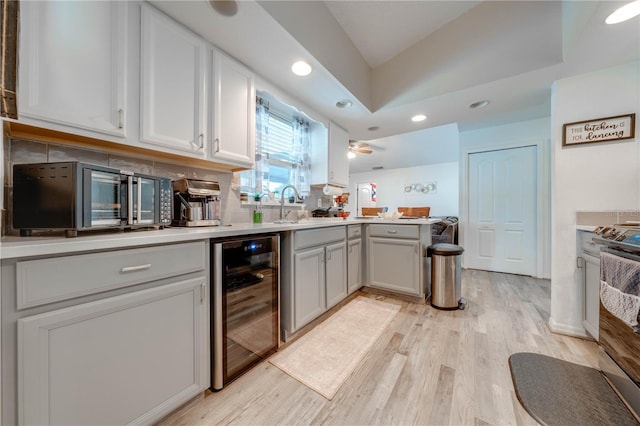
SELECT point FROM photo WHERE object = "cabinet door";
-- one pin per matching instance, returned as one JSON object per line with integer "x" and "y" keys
{"x": 395, "y": 265}
{"x": 72, "y": 63}
{"x": 591, "y": 320}
{"x": 336, "y": 273}
{"x": 173, "y": 69}
{"x": 128, "y": 358}
{"x": 233, "y": 112}
{"x": 309, "y": 289}
{"x": 354, "y": 265}
{"x": 338, "y": 160}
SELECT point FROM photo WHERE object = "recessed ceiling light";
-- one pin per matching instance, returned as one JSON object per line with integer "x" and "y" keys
{"x": 624, "y": 13}
{"x": 224, "y": 7}
{"x": 301, "y": 68}
{"x": 373, "y": 128}
{"x": 351, "y": 154}
{"x": 419, "y": 117}
{"x": 479, "y": 104}
{"x": 345, "y": 103}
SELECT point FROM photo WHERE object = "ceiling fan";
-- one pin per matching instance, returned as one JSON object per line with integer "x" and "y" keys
{"x": 359, "y": 147}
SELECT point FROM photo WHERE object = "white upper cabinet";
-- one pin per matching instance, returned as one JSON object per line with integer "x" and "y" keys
{"x": 330, "y": 164}
{"x": 338, "y": 160}
{"x": 173, "y": 73}
{"x": 72, "y": 64}
{"x": 232, "y": 112}
{"x": 127, "y": 73}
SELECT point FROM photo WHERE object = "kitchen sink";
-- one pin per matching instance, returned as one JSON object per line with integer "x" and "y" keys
{"x": 285, "y": 221}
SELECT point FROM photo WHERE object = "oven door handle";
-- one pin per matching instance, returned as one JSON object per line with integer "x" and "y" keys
{"x": 139, "y": 209}
{"x": 129, "y": 200}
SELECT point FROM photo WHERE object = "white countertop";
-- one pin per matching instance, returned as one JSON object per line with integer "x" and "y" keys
{"x": 588, "y": 228}
{"x": 17, "y": 247}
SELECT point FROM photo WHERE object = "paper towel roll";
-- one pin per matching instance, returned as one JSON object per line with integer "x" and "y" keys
{"x": 332, "y": 190}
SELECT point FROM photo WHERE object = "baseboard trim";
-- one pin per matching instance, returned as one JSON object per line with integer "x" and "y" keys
{"x": 568, "y": 330}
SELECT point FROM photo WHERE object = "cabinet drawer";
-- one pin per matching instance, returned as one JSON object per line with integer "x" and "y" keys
{"x": 315, "y": 237}
{"x": 49, "y": 280}
{"x": 354, "y": 231}
{"x": 395, "y": 231}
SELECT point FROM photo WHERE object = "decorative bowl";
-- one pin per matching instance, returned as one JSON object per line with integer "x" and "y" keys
{"x": 390, "y": 215}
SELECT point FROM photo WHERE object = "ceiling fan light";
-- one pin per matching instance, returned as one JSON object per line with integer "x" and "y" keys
{"x": 351, "y": 155}
{"x": 419, "y": 117}
{"x": 624, "y": 13}
{"x": 301, "y": 68}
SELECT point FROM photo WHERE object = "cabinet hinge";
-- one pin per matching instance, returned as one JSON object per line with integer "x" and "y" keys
{"x": 203, "y": 291}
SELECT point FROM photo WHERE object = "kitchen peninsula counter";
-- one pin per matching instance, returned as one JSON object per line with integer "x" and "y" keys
{"x": 19, "y": 247}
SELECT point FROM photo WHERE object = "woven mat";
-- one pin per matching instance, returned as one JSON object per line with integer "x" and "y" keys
{"x": 324, "y": 358}
{"x": 557, "y": 392}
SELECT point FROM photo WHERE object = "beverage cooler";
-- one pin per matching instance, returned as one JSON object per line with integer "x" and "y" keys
{"x": 244, "y": 304}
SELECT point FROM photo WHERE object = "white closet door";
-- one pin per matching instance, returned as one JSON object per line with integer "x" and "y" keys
{"x": 502, "y": 211}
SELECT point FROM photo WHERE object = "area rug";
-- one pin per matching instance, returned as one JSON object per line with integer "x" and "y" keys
{"x": 324, "y": 358}
{"x": 557, "y": 392}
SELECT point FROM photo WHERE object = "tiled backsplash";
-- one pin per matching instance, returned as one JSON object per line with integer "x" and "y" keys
{"x": 610, "y": 217}
{"x": 19, "y": 151}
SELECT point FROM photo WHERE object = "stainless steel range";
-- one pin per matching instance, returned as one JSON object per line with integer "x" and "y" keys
{"x": 619, "y": 331}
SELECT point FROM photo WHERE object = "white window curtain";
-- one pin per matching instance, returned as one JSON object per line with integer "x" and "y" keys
{"x": 261, "y": 166}
{"x": 282, "y": 143}
{"x": 256, "y": 180}
{"x": 299, "y": 176}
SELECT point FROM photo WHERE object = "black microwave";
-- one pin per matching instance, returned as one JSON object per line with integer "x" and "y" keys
{"x": 74, "y": 196}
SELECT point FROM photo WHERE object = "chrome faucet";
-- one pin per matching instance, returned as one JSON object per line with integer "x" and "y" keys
{"x": 266, "y": 194}
{"x": 282, "y": 198}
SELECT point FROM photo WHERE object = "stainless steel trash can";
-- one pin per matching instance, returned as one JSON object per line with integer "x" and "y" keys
{"x": 446, "y": 276}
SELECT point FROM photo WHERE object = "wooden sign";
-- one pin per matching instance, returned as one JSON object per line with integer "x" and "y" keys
{"x": 599, "y": 130}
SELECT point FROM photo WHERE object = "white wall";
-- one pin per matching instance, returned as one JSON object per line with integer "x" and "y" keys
{"x": 589, "y": 177}
{"x": 512, "y": 134}
{"x": 391, "y": 194}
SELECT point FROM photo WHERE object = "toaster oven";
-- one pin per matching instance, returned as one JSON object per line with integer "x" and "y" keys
{"x": 75, "y": 196}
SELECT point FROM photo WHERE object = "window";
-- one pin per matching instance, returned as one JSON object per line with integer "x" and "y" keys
{"x": 279, "y": 151}
{"x": 282, "y": 153}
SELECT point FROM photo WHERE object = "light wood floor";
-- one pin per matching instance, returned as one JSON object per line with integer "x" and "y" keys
{"x": 430, "y": 367}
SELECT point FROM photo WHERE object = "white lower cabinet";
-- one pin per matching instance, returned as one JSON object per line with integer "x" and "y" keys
{"x": 591, "y": 320}
{"x": 105, "y": 337}
{"x": 336, "y": 273}
{"x": 124, "y": 359}
{"x": 320, "y": 280}
{"x": 354, "y": 265}
{"x": 314, "y": 275}
{"x": 394, "y": 264}
{"x": 589, "y": 261}
{"x": 396, "y": 258}
{"x": 310, "y": 298}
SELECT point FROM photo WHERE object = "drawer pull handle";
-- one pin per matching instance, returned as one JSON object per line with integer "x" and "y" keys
{"x": 136, "y": 268}
{"x": 392, "y": 231}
